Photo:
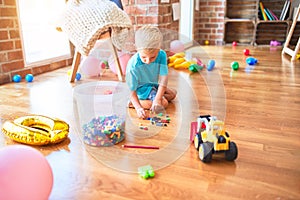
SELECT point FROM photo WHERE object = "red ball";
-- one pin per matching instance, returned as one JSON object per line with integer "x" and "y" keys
{"x": 246, "y": 52}
{"x": 234, "y": 43}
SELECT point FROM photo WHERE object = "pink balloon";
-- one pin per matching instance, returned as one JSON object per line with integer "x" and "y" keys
{"x": 90, "y": 66}
{"x": 176, "y": 46}
{"x": 24, "y": 174}
{"x": 123, "y": 59}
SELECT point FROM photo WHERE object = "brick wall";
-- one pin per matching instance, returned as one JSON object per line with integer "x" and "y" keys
{"x": 11, "y": 54}
{"x": 154, "y": 12}
{"x": 209, "y": 22}
{"x": 143, "y": 12}
{"x": 208, "y": 26}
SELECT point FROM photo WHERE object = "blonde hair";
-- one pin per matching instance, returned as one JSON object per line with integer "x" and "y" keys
{"x": 148, "y": 38}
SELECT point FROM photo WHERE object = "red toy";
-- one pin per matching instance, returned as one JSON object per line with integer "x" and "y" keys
{"x": 246, "y": 52}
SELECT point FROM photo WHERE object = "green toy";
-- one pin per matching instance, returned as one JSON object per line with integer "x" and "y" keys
{"x": 195, "y": 68}
{"x": 146, "y": 172}
{"x": 235, "y": 65}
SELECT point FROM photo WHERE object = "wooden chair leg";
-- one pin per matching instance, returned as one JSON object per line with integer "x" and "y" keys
{"x": 297, "y": 48}
{"x": 117, "y": 62}
{"x": 286, "y": 49}
{"x": 75, "y": 66}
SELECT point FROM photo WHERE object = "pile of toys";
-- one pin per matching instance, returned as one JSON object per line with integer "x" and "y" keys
{"x": 159, "y": 120}
{"x": 178, "y": 61}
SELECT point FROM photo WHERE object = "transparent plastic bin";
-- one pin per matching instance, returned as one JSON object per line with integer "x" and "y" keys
{"x": 101, "y": 108}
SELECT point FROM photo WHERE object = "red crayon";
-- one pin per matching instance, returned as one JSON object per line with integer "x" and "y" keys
{"x": 139, "y": 147}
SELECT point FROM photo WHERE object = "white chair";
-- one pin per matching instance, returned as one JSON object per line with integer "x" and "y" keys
{"x": 86, "y": 21}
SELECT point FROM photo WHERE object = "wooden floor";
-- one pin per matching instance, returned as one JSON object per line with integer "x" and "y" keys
{"x": 260, "y": 106}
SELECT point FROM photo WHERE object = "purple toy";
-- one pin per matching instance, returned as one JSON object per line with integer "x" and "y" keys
{"x": 275, "y": 43}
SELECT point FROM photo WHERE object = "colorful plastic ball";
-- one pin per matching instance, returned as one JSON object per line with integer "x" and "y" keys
{"x": 29, "y": 78}
{"x": 24, "y": 173}
{"x": 104, "y": 65}
{"x": 17, "y": 78}
{"x": 69, "y": 72}
{"x": 251, "y": 61}
{"x": 235, "y": 65}
{"x": 234, "y": 43}
{"x": 206, "y": 42}
{"x": 246, "y": 52}
{"x": 78, "y": 76}
{"x": 176, "y": 46}
{"x": 210, "y": 65}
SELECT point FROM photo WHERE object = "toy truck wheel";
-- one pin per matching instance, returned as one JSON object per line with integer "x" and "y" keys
{"x": 232, "y": 152}
{"x": 197, "y": 141}
{"x": 205, "y": 152}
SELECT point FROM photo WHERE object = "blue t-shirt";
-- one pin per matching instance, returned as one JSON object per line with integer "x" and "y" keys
{"x": 141, "y": 77}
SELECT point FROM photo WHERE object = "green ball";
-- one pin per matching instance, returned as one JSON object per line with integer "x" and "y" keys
{"x": 235, "y": 65}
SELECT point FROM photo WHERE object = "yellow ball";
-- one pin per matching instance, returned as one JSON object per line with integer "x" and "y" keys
{"x": 69, "y": 72}
{"x": 206, "y": 42}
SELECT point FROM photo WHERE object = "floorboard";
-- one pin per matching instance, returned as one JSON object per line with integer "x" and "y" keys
{"x": 259, "y": 104}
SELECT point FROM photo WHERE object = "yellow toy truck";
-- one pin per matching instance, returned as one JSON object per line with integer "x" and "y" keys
{"x": 211, "y": 138}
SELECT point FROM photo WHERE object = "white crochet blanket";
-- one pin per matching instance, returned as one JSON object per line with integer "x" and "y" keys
{"x": 85, "y": 20}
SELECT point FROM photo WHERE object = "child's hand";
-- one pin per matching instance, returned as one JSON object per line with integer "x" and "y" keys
{"x": 157, "y": 107}
{"x": 141, "y": 113}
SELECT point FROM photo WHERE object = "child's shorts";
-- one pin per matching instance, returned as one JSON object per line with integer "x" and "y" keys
{"x": 152, "y": 93}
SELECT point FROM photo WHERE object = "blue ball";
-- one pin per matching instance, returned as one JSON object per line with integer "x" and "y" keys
{"x": 78, "y": 76}
{"x": 29, "y": 77}
{"x": 251, "y": 61}
{"x": 17, "y": 78}
{"x": 211, "y": 65}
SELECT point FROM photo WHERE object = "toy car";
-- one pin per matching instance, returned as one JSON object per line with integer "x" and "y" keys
{"x": 211, "y": 138}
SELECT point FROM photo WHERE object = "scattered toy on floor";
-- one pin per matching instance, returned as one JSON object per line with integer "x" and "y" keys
{"x": 210, "y": 137}
{"x": 235, "y": 65}
{"x": 199, "y": 62}
{"x": 251, "y": 61}
{"x": 210, "y": 65}
{"x": 275, "y": 43}
{"x": 178, "y": 61}
{"x": 143, "y": 126}
{"x": 246, "y": 52}
{"x": 195, "y": 68}
{"x": 158, "y": 121}
{"x": 146, "y": 172}
{"x": 17, "y": 78}
{"x": 29, "y": 78}
{"x": 139, "y": 146}
{"x": 36, "y": 130}
{"x": 78, "y": 76}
